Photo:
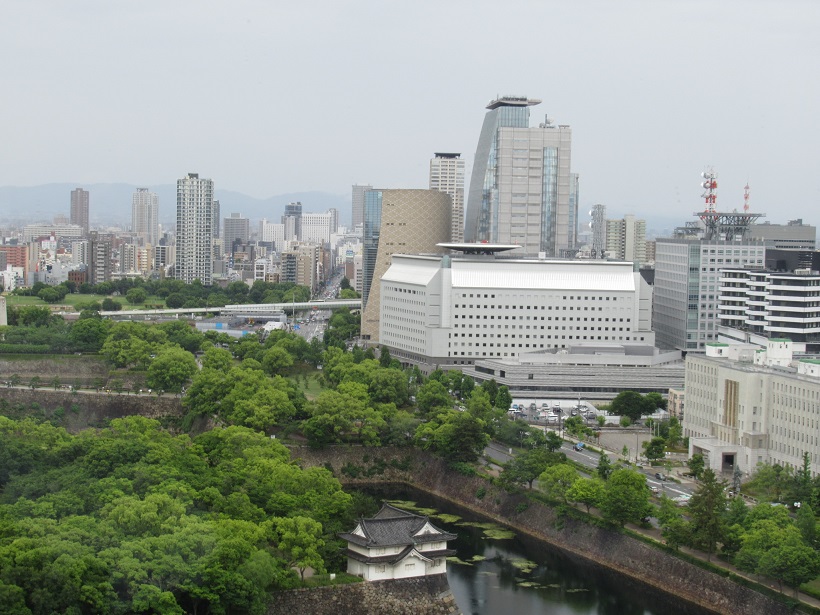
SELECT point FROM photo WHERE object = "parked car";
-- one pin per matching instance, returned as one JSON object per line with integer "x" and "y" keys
{"x": 660, "y": 476}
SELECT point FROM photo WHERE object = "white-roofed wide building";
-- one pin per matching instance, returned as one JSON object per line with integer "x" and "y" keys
{"x": 451, "y": 311}
{"x": 396, "y": 544}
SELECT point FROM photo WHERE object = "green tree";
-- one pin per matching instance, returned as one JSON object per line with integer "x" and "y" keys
{"x": 88, "y": 334}
{"x": 389, "y": 385}
{"x": 655, "y": 449}
{"x": 706, "y": 511}
{"x": 604, "y": 469}
{"x": 586, "y": 491}
{"x": 554, "y": 441}
{"x": 696, "y": 465}
{"x": 35, "y": 382}
{"x": 456, "y": 436}
{"x": 110, "y": 305}
{"x": 136, "y": 296}
{"x": 557, "y": 480}
{"x": 299, "y": 539}
{"x": 793, "y": 563}
{"x": 277, "y": 360}
{"x": 630, "y": 404}
{"x": 525, "y": 467}
{"x": 431, "y": 396}
{"x": 626, "y": 497}
{"x": 171, "y": 369}
{"x": 503, "y": 399}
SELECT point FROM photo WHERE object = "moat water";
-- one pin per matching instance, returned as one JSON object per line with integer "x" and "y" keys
{"x": 499, "y": 573}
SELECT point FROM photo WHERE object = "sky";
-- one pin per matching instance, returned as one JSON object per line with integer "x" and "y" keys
{"x": 268, "y": 97}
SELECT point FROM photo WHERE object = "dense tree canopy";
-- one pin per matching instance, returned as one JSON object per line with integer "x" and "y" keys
{"x": 132, "y": 519}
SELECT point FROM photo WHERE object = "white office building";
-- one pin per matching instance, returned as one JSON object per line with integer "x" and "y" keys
{"x": 455, "y": 310}
{"x": 748, "y": 404}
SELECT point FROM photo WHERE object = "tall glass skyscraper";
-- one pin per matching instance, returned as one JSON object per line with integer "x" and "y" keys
{"x": 521, "y": 190}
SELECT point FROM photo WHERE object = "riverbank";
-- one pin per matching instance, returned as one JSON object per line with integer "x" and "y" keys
{"x": 641, "y": 561}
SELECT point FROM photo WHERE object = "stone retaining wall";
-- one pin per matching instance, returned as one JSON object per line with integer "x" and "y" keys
{"x": 629, "y": 556}
{"x": 417, "y": 596}
{"x": 77, "y": 411}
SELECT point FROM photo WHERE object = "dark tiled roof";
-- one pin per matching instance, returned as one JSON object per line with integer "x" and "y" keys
{"x": 391, "y": 527}
{"x": 397, "y": 557}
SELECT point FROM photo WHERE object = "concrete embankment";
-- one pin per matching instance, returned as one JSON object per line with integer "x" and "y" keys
{"x": 627, "y": 555}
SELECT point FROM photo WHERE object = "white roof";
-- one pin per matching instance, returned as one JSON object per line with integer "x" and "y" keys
{"x": 412, "y": 271}
{"x": 561, "y": 275}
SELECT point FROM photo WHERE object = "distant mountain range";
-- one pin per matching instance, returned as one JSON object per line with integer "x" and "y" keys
{"x": 110, "y": 204}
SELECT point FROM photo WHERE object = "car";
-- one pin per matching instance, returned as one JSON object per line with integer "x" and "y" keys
{"x": 660, "y": 476}
{"x": 533, "y": 407}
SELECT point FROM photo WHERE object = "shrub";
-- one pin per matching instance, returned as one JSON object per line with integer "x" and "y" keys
{"x": 481, "y": 493}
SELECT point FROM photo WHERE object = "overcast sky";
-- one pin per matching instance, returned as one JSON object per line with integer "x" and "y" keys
{"x": 269, "y": 97}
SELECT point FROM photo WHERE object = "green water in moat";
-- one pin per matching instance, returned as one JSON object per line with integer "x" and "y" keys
{"x": 500, "y": 573}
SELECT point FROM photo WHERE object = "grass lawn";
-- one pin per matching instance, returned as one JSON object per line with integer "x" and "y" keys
{"x": 313, "y": 388}
{"x": 73, "y": 299}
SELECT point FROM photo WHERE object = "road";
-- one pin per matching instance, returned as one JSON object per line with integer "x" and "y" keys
{"x": 589, "y": 460}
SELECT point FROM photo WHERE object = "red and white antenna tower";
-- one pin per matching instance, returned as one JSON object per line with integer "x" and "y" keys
{"x": 709, "y": 185}
{"x": 746, "y": 198}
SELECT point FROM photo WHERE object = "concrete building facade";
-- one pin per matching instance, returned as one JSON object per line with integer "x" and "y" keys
{"x": 687, "y": 287}
{"x": 747, "y": 405}
{"x": 456, "y": 310}
{"x": 398, "y": 222}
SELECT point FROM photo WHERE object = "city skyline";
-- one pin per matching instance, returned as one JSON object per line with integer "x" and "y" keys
{"x": 655, "y": 93}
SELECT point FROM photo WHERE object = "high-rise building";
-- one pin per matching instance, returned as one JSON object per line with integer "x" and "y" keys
{"x": 292, "y": 219}
{"x": 317, "y": 227}
{"x": 145, "y": 216}
{"x": 270, "y": 232}
{"x": 398, "y": 222}
{"x": 521, "y": 187}
{"x": 194, "y": 237}
{"x": 687, "y": 287}
{"x": 99, "y": 259}
{"x": 447, "y": 175}
{"x": 217, "y": 221}
{"x": 626, "y": 239}
{"x": 79, "y": 208}
{"x": 598, "y": 227}
{"x": 358, "y": 203}
{"x": 236, "y": 231}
